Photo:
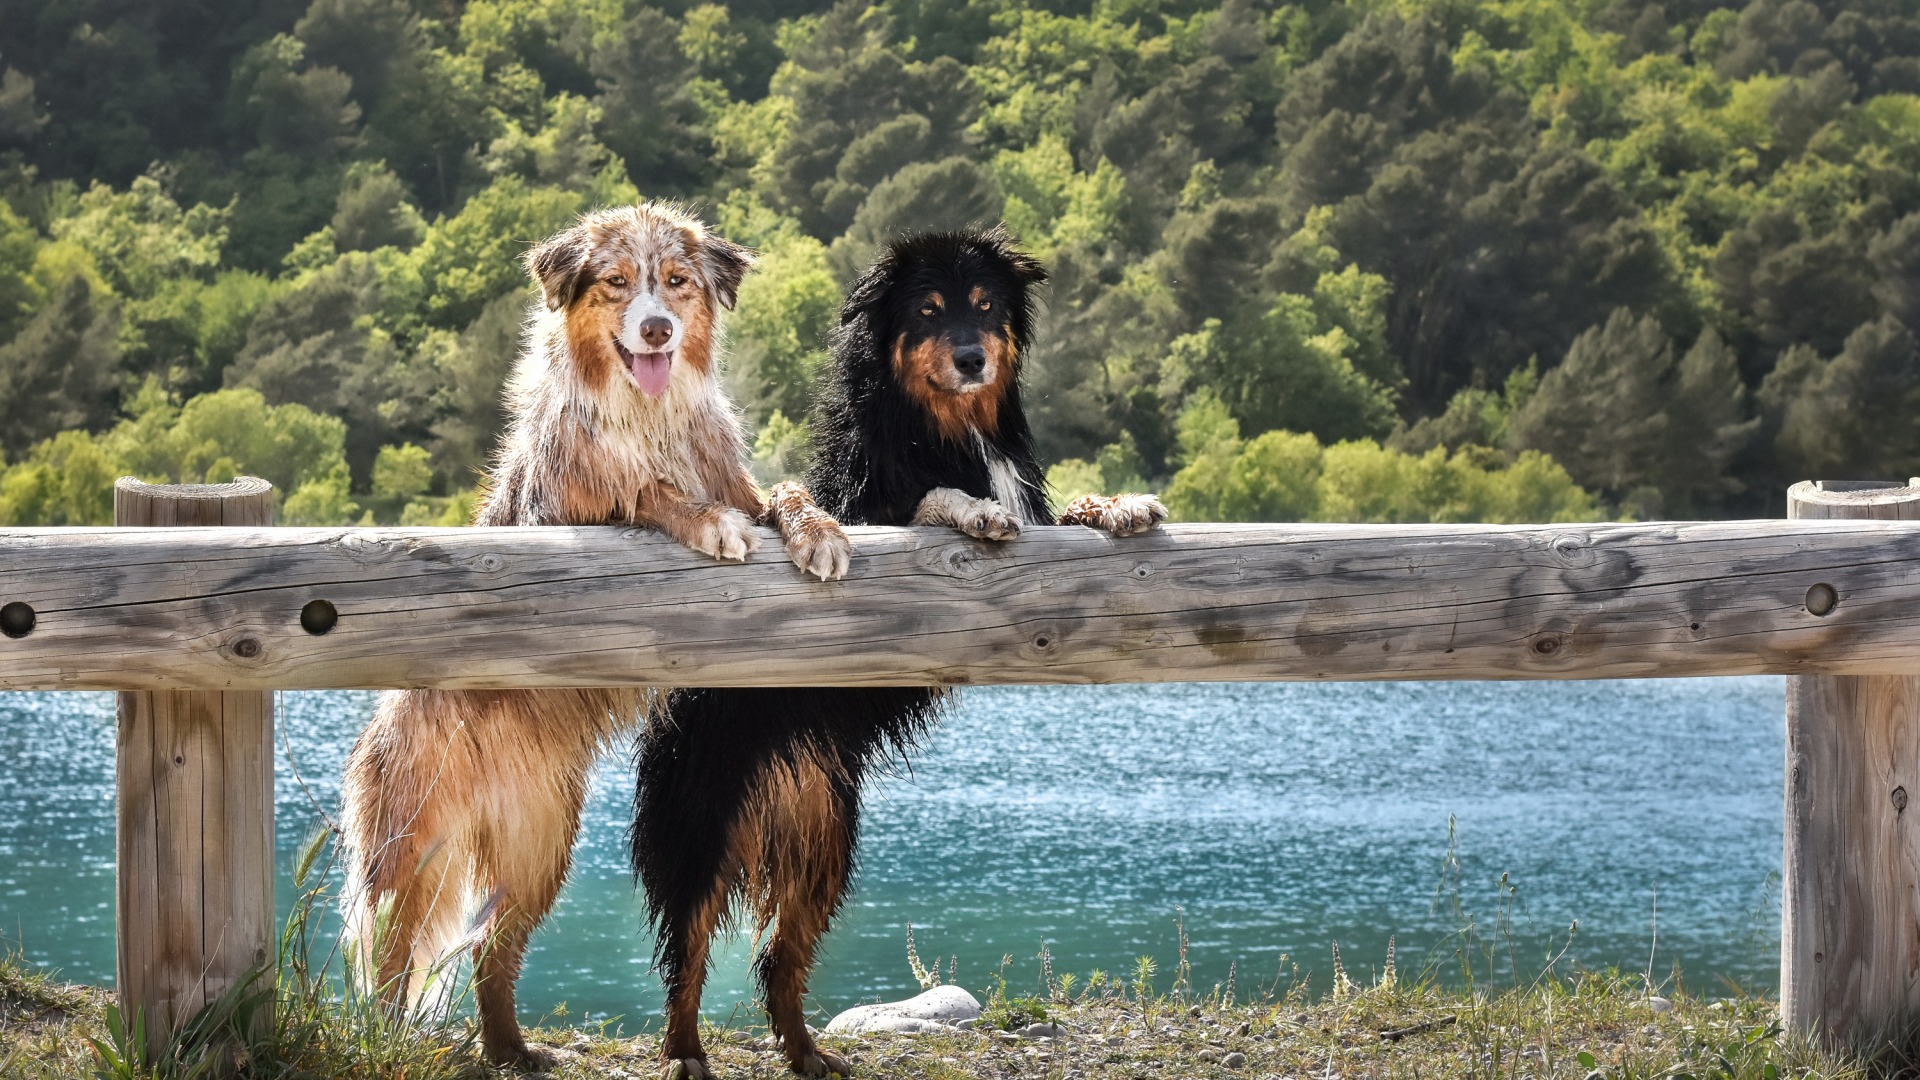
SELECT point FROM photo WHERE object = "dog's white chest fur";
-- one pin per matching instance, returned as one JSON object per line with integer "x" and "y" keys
{"x": 1008, "y": 489}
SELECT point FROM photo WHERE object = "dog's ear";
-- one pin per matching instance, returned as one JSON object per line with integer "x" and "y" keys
{"x": 864, "y": 295}
{"x": 1025, "y": 267}
{"x": 556, "y": 266}
{"x": 727, "y": 263}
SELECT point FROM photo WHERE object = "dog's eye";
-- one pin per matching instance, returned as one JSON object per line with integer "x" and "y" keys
{"x": 617, "y": 281}
{"x": 986, "y": 305}
{"x": 676, "y": 280}
{"x": 926, "y": 312}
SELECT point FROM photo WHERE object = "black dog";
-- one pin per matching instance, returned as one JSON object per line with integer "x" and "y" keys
{"x": 755, "y": 794}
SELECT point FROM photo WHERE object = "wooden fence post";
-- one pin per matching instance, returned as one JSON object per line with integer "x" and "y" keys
{"x": 1850, "y": 888}
{"x": 195, "y": 796}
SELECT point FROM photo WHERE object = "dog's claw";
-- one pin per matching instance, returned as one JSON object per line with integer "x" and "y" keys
{"x": 686, "y": 1069}
{"x": 728, "y": 535}
{"x": 1131, "y": 515}
{"x": 821, "y": 1064}
{"x": 523, "y": 1058}
{"x": 988, "y": 520}
{"x": 823, "y": 551}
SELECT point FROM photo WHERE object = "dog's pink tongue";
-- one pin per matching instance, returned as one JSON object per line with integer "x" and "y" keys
{"x": 652, "y": 370}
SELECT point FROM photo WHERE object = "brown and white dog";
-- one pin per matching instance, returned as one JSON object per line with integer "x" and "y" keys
{"x": 457, "y": 797}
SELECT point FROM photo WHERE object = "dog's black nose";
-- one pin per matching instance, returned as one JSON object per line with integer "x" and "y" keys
{"x": 655, "y": 330}
{"x": 969, "y": 359}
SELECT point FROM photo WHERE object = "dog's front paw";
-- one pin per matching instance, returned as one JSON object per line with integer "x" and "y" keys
{"x": 687, "y": 1068}
{"x": 818, "y": 546}
{"x": 727, "y": 534}
{"x": 985, "y": 519}
{"x": 821, "y": 1064}
{"x": 1130, "y": 514}
{"x": 1121, "y": 515}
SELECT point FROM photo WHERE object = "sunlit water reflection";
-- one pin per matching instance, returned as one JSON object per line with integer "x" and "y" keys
{"x": 1277, "y": 817}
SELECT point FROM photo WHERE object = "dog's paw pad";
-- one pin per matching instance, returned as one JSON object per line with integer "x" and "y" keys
{"x": 726, "y": 535}
{"x": 686, "y": 1069}
{"x": 988, "y": 520}
{"x": 821, "y": 550}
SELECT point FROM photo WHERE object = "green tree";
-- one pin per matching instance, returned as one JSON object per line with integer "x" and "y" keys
{"x": 401, "y": 476}
{"x": 373, "y": 212}
{"x": 1851, "y": 417}
{"x": 316, "y": 346}
{"x": 1622, "y": 413}
{"x": 780, "y": 325}
{"x": 946, "y": 194}
{"x": 66, "y": 480}
{"x": 59, "y": 372}
{"x": 469, "y": 374}
{"x": 19, "y": 294}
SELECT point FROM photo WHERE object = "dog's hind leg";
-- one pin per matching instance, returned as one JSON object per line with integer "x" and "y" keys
{"x": 410, "y": 865}
{"x": 810, "y": 822}
{"x": 695, "y": 839}
{"x": 525, "y": 850}
{"x": 684, "y": 947}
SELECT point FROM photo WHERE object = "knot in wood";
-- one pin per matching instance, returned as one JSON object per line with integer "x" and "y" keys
{"x": 1899, "y": 800}
{"x": 1143, "y": 570}
{"x": 1570, "y": 549}
{"x": 1546, "y": 644}
{"x": 962, "y": 561}
{"x": 246, "y": 648}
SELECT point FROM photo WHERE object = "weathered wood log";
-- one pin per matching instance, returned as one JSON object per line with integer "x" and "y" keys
{"x": 1850, "y": 888}
{"x": 195, "y": 799}
{"x": 545, "y": 607}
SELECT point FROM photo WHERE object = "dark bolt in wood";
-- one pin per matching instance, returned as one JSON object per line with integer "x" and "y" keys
{"x": 17, "y": 619}
{"x": 1821, "y": 599}
{"x": 318, "y": 617}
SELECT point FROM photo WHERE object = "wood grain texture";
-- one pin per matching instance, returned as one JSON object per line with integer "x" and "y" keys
{"x": 1850, "y": 888}
{"x": 605, "y": 606}
{"x": 195, "y": 804}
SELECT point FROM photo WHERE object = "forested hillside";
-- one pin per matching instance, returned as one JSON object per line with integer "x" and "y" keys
{"x": 1371, "y": 260}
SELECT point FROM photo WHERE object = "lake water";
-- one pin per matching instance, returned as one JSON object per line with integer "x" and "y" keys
{"x": 1273, "y": 819}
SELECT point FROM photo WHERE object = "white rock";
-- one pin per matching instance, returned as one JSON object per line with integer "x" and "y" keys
{"x": 1659, "y": 1004}
{"x": 939, "y": 1009}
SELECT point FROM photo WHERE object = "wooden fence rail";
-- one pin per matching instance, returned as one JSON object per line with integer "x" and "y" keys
{"x": 240, "y": 610}
{"x": 261, "y": 609}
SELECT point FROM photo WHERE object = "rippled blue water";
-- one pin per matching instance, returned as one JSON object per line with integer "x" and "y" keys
{"x": 1278, "y": 817}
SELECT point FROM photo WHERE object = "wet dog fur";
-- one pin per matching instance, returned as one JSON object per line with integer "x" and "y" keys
{"x": 754, "y": 794}
{"x": 617, "y": 417}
